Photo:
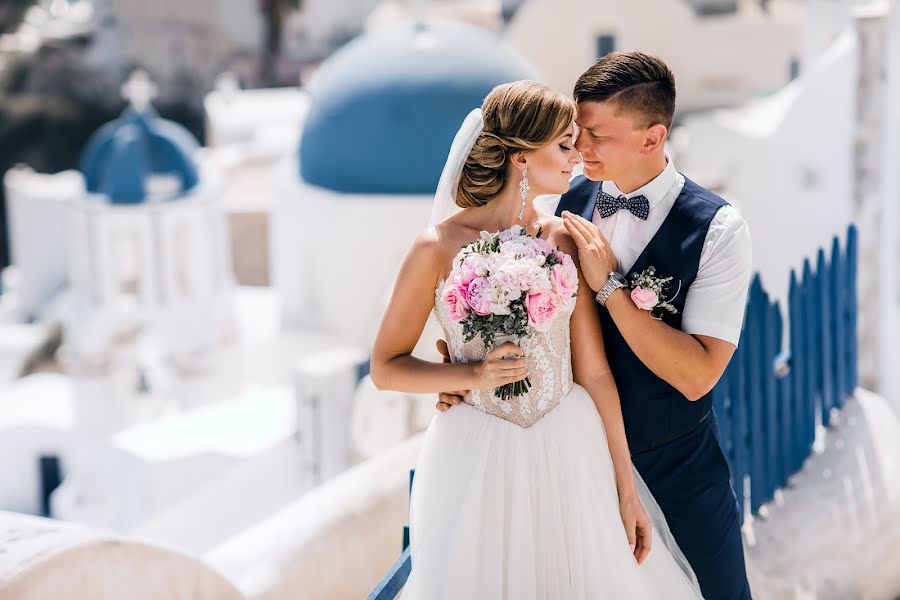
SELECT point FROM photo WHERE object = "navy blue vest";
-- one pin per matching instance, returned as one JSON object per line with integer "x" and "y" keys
{"x": 653, "y": 410}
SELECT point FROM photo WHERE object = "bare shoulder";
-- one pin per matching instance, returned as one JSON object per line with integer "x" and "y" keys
{"x": 438, "y": 245}
{"x": 424, "y": 258}
{"x": 427, "y": 245}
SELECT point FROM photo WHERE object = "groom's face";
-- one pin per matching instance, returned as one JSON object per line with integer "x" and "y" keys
{"x": 609, "y": 139}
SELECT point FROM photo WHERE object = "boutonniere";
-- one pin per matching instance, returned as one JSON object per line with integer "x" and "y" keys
{"x": 648, "y": 292}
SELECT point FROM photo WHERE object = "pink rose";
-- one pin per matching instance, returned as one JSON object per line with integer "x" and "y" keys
{"x": 542, "y": 307}
{"x": 455, "y": 301}
{"x": 479, "y": 295}
{"x": 564, "y": 280}
{"x": 643, "y": 298}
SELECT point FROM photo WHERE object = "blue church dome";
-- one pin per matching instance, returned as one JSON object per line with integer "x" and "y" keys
{"x": 121, "y": 156}
{"x": 386, "y": 106}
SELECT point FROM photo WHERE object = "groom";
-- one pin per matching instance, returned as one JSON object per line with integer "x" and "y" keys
{"x": 632, "y": 211}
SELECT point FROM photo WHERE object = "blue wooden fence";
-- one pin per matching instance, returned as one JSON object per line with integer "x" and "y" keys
{"x": 390, "y": 585}
{"x": 770, "y": 400}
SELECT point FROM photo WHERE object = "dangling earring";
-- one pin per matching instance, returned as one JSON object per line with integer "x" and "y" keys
{"x": 523, "y": 191}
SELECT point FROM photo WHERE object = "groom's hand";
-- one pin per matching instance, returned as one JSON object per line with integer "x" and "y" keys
{"x": 638, "y": 528}
{"x": 448, "y": 399}
{"x": 594, "y": 253}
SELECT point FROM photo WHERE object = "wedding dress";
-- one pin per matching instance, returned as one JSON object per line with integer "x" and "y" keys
{"x": 517, "y": 500}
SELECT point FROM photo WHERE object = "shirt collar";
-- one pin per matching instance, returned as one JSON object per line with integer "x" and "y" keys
{"x": 655, "y": 190}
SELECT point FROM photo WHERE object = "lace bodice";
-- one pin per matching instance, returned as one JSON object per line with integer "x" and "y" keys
{"x": 547, "y": 355}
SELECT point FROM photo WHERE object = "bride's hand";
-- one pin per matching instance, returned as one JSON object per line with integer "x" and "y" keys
{"x": 637, "y": 526}
{"x": 495, "y": 370}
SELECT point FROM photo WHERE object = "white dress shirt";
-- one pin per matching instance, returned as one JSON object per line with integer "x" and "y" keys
{"x": 715, "y": 301}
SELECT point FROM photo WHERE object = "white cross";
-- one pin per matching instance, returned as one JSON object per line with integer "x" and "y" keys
{"x": 139, "y": 90}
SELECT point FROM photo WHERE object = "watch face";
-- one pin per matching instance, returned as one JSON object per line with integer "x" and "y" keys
{"x": 618, "y": 278}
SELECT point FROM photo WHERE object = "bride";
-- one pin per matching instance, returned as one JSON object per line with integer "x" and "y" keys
{"x": 504, "y": 506}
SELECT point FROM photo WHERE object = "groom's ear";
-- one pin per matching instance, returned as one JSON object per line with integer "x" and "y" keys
{"x": 655, "y": 138}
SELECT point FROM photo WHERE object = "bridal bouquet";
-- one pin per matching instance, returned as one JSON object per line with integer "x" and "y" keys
{"x": 506, "y": 286}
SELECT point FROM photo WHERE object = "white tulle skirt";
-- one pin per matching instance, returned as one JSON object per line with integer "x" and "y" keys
{"x": 499, "y": 512}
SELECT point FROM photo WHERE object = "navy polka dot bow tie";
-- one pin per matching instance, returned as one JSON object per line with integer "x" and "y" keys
{"x": 608, "y": 204}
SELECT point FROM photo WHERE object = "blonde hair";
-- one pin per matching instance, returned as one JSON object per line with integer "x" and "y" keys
{"x": 518, "y": 117}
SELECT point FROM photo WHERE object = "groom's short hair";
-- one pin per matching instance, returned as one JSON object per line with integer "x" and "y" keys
{"x": 639, "y": 82}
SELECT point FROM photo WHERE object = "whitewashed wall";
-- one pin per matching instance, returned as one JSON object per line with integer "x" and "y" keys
{"x": 137, "y": 474}
{"x": 823, "y": 23}
{"x": 36, "y": 210}
{"x": 794, "y": 165}
{"x": 335, "y": 542}
{"x": 890, "y": 236}
{"x": 559, "y": 37}
{"x": 38, "y": 416}
{"x": 785, "y": 162}
{"x": 48, "y": 559}
{"x": 334, "y": 257}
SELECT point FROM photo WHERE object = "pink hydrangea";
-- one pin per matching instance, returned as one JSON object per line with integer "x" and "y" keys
{"x": 511, "y": 284}
{"x": 520, "y": 246}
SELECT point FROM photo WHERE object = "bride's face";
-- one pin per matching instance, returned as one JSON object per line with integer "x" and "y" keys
{"x": 550, "y": 167}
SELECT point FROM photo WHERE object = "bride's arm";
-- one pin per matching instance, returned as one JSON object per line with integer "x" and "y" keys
{"x": 591, "y": 370}
{"x": 394, "y": 367}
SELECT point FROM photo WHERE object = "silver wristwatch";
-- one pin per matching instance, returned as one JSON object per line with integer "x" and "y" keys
{"x": 615, "y": 281}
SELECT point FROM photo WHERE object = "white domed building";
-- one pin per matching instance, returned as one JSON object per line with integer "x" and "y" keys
{"x": 129, "y": 257}
{"x": 383, "y": 111}
{"x": 134, "y": 239}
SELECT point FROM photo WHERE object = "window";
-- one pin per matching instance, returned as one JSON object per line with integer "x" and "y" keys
{"x": 714, "y": 8}
{"x": 794, "y": 69}
{"x": 606, "y": 43}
